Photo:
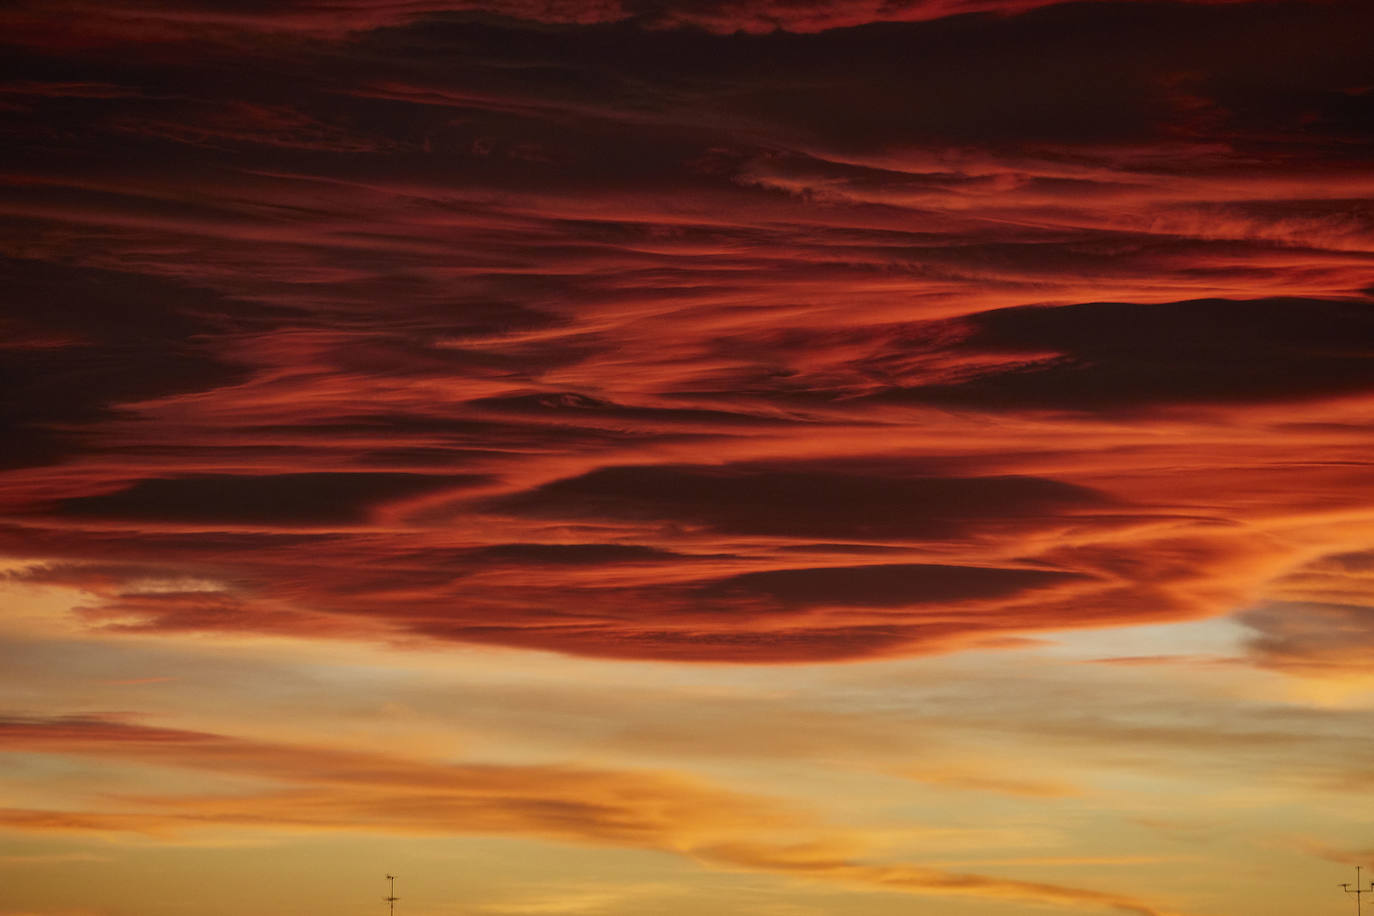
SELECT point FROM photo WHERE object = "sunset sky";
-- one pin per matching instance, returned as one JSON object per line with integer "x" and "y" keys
{"x": 686, "y": 457}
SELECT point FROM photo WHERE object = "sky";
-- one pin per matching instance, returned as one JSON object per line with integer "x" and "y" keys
{"x": 679, "y": 457}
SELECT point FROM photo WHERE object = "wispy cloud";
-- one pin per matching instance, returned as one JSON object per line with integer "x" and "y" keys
{"x": 330, "y": 790}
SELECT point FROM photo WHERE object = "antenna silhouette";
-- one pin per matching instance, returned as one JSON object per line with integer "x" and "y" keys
{"x": 1358, "y": 891}
{"x": 391, "y": 898}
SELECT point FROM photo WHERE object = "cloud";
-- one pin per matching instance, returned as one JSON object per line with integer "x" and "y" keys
{"x": 335, "y": 790}
{"x": 81, "y": 341}
{"x": 660, "y": 586}
{"x": 371, "y": 790}
{"x": 572, "y": 407}
{"x": 802, "y": 501}
{"x": 276, "y": 499}
{"x": 819, "y": 863}
{"x": 1107, "y": 356}
{"x": 570, "y": 554}
{"x": 893, "y": 585}
{"x": 725, "y": 331}
{"x": 1362, "y": 857}
{"x": 153, "y": 20}
{"x": 1319, "y": 619}
{"x": 1312, "y": 638}
{"x": 972, "y": 778}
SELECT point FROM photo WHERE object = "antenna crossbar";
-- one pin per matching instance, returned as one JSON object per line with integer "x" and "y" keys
{"x": 1358, "y": 891}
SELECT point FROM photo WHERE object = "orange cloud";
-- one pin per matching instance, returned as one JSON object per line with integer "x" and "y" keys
{"x": 563, "y": 349}
{"x": 331, "y": 790}
{"x": 818, "y": 863}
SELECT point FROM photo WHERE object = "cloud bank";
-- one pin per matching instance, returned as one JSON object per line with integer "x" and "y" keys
{"x": 709, "y": 332}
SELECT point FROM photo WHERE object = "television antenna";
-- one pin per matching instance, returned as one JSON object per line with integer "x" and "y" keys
{"x": 391, "y": 898}
{"x": 1358, "y": 891}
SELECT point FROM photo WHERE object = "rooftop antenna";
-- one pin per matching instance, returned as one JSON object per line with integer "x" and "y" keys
{"x": 391, "y": 898}
{"x": 1358, "y": 891}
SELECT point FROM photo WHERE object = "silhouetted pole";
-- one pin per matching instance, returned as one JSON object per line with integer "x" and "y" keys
{"x": 391, "y": 898}
{"x": 1358, "y": 891}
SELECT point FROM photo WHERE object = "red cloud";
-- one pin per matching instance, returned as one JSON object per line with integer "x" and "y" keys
{"x": 76, "y": 24}
{"x": 712, "y": 344}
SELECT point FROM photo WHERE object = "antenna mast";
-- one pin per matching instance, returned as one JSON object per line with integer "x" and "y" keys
{"x": 1358, "y": 891}
{"x": 391, "y": 898}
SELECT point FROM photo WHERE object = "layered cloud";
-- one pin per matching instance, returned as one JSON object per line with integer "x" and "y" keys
{"x": 717, "y": 332}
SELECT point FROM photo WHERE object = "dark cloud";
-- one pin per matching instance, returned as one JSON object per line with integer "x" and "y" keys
{"x": 776, "y": 645}
{"x": 571, "y": 554}
{"x": 572, "y": 407}
{"x": 1072, "y": 73}
{"x": 652, "y": 275}
{"x": 1110, "y": 355}
{"x": 38, "y": 541}
{"x": 802, "y": 503}
{"x": 891, "y": 585}
{"x": 269, "y": 499}
{"x": 79, "y": 342}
